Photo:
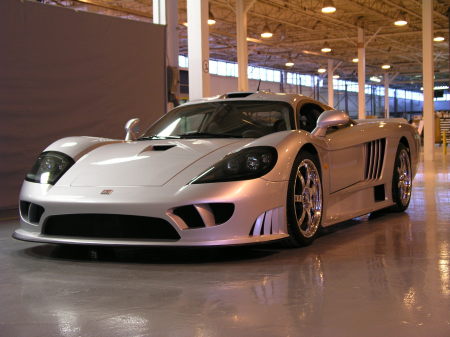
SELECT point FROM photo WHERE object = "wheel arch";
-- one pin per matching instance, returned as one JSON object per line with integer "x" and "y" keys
{"x": 405, "y": 142}
{"x": 310, "y": 148}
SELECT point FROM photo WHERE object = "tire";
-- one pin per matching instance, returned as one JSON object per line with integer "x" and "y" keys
{"x": 401, "y": 179}
{"x": 304, "y": 200}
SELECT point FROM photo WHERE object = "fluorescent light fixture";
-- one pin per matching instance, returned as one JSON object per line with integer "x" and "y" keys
{"x": 438, "y": 39}
{"x": 336, "y": 76}
{"x": 289, "y": 63}
{"x": 321, "y": 70}
{"x": 386, "y": 66}
{"x": 251, "y": 39}
{"x": 328, "y": 7}
{"x": 355, "y": 60}
{"x": 375, "y": 79}
{"x": 438, "y": 87}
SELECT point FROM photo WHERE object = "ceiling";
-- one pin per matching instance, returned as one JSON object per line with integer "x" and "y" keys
{"x": 300, "y": 31}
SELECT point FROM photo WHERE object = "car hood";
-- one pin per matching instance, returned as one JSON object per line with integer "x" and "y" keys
{"x": 143, "y": 163}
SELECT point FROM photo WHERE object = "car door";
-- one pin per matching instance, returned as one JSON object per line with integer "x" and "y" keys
{"x": 346, "y": 157}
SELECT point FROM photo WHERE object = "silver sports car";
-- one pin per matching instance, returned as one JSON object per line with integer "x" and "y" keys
{"x": 236, "y": 169}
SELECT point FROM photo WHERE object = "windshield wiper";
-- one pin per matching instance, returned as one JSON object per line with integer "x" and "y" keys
{"x": 208, "y": 135}
{"x": 158, "y": 137}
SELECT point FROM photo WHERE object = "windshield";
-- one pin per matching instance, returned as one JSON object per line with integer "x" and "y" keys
{"x": 240, "y": 119}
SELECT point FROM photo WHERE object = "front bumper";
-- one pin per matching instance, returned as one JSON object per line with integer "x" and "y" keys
{"x": 257, "y": 202}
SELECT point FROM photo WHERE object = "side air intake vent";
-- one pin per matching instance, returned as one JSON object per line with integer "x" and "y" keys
{"x": 374, "y": 159}
{"x": 270, "y": 222}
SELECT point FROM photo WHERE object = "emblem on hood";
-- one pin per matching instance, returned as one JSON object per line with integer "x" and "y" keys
{"x": 107, "y": 192}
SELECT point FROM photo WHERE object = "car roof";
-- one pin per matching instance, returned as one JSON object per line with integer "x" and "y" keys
{"x": 292, "y": 99}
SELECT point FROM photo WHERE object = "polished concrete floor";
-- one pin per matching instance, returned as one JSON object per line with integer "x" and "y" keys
{"x": 385, "y": 275}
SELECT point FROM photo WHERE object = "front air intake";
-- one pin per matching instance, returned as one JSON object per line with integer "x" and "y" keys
{"x": 31, "y": 212}
{"x": 205, "y": 215}
{"x": 110, "y": 226}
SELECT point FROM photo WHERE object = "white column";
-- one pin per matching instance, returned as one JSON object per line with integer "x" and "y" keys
{"x": 172, "y": 32}
{"x": 428, "y": 80}
{"x": 159, "y": 12}
{"x": 386, "y": 95}
{"x": 241, "y": 41}
{"x": 361, "y": 75}
{"x": 198, "y": 48}
{"x": 330, "y": 83}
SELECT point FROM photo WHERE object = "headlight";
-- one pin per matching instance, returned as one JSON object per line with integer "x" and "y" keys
{"x": 49, "y": 167}
{"x": 249, "y": 163}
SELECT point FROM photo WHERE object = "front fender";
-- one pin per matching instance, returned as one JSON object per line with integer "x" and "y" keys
{"x": 288, "y": 145}
{"x": 76, "y": 147}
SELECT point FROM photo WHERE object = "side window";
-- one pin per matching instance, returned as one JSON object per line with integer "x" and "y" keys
{"x": 307, "y": 117}
{"x": 271, "y": 119}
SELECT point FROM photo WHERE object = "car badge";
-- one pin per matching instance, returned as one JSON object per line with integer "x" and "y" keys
{"x": 107, "y": 192}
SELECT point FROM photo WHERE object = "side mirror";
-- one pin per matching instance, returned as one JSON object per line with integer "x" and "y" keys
{"x": 329, "y": 118}
{"x": 130, "y": 129}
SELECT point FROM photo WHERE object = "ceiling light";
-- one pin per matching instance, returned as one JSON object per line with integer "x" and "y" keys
{"x": 355, "y": 60}
{"x": 336, "y": 76}
{"x": 211, "y": 18}
{"x": 438, "y": 39}
{"x": 326, "y": 48}
{"x": 321, "y": 70}
{"x": 266, "y": 33}
{"x": 289, "y": 63}
{"x": 328, "y": 7}
{"x": 386, "y": 66}
{"x": 401, "y": 20}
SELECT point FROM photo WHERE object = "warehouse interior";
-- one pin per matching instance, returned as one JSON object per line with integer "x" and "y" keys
{"x": 85, "y": 67}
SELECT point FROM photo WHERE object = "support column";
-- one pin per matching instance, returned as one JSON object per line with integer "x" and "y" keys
{"x": 198, "y": 48}
{"x": 172, "y": 32}
{"x": 428, "y": 81}
{"x": 173, "y": 72}
{"x": 242, "y": 51}
{"x": 386, "y": 95}
{"x": 159, "y": 12}
{"x": 346, "y": 99}
{"x": 330, "y": 83}
{"x": 361, "y": 75}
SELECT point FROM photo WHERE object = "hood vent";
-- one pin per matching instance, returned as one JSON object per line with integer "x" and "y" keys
{"x": 158, "y": 148}
{"x": 162, "y": 147}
